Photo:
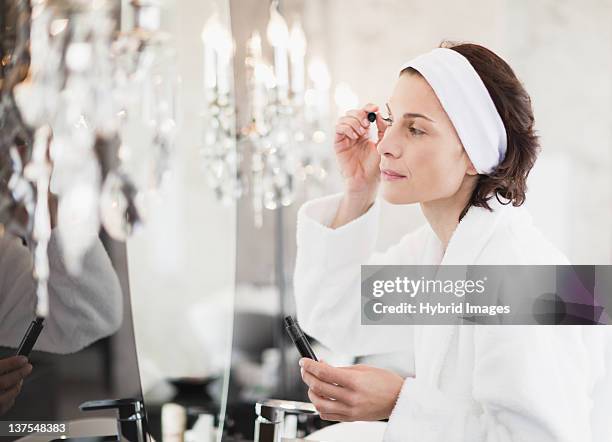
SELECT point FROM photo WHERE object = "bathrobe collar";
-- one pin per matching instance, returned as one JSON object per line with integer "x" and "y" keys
{"x": 464, "y": 248}
{"x": 472, "y": 233}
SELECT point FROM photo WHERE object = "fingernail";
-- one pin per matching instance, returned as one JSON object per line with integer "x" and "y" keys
{"x": 301, "y": 362}
{"x": 302, "y": 372}
{"x": 23, "y": 360}
{"x": 361, "y": 130}
{"x": 365, "y": 122}
{"x": 28, "y": 369}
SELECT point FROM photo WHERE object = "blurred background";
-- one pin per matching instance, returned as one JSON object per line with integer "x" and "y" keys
{"x": 255, "y": 88}
{"x": 561, "y": 51}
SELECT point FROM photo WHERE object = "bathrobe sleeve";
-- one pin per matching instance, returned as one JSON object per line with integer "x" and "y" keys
{"x": 82, "y": 309}
{"x": 530, "y": 383}
{"x": 327, "y": 278}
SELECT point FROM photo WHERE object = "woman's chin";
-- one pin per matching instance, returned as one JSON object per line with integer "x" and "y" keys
{"x": 397, "y": 197}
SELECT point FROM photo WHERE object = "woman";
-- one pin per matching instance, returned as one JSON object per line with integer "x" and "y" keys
{"x": 460, "y": 140}
{"x": 83, "y": 308}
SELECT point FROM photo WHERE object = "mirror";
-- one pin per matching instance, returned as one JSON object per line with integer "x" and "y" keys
{"x": 189, "y": 310}
{"x": 85, "y": 349}
{"x": 149, "y": 318}
{"x": 181, "y": 263}
{"x": 363, "y": 44}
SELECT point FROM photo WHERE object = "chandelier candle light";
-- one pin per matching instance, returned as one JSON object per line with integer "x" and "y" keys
{"x": 87, "y": 85}
{"x": 278, "y": 37}
{"x": 219, "y": 150}
{"x": 288, "y": 123}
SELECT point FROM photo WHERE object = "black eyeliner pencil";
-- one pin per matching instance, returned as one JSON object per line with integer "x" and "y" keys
{"x": 299, "y": 338}
{"x": 30, "y": 337}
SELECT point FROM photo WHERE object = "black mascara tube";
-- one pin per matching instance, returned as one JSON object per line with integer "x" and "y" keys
{"x": 299, "y": 338}
{"x": 30, "y": 337}
{"x": 373, "y": 130}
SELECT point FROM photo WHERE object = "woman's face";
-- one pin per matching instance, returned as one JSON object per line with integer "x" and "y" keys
{"x": 422, "y": 158}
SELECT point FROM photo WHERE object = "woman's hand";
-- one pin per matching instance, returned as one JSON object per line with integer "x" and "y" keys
{"x": 12, "y": 372}
{"x": 355, "y": 393}
{"x": 359, "y": 163}
{"x": 356, "y": 153}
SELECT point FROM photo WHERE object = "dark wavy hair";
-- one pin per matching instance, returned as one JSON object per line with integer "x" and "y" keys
{"x": 513, "y": 104}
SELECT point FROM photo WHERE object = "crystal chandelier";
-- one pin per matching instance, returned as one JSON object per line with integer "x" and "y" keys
{"x": 18, "y": 200}
{"x": 219, "y": 150}
{"x": 287, "y": 123}
{"x": 100, "y": 110}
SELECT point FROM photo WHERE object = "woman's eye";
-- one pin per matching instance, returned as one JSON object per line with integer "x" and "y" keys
{"x": 415, "y": 131}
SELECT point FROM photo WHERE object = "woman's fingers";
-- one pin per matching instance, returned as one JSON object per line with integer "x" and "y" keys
{"x": 324, "y": 389}
{"x": 9, "y": 380}
{"x": 347, "y": 130}
{"x": 327, "y": 406}
{"x": 13, "y": 363}
{"x": 380, "y": 123}
{"x": 327, "y": 373}
{"x": 12, "y": 372}
{"x": 342, "y": 145}
{"x": 7, "y": 397}
{"x": 333, "y": 417}
{"x": 354, "y": 124}
{"x": 360, "y": 116}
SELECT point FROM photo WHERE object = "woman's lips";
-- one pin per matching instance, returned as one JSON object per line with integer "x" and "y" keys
{"x": 391, "y": 175}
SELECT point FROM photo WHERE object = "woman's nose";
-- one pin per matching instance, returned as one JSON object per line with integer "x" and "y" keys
{"x": 388, "y": 147}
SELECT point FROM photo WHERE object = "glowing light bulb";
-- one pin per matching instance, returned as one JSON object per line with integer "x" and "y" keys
{"x": 319, "y": 74}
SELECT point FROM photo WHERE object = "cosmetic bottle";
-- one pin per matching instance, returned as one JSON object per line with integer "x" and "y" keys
{"x": 174, "y": 422}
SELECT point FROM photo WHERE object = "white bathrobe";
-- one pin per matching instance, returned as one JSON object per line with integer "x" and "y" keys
{"x": 82, "y": 309}
{"x": 472, "y": 382}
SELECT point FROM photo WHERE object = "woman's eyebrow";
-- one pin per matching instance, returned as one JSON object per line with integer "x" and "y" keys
{"x": 409, "y": 114}
{"x": 413, "y": 115}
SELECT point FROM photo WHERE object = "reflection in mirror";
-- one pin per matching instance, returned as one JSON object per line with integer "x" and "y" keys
{"x": 65, "y": 330}
{"x": 284, "y": 108}
{"x": 182, "y": 259}
{"x": 91, "y": 120}
{"x": 85, "y": 348}
{"x": 193, "y": 129}
{"x": 362, "y": 44}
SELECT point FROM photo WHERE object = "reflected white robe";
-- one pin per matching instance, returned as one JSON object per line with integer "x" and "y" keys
{"x": 472, "y": 383}
{"x": 82, "y": 309}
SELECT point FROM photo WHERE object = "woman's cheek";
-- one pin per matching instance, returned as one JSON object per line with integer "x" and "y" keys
{"x": 432, "y": 176}
{"x": 421, "y": 157}
{"x": 449, "y": 176}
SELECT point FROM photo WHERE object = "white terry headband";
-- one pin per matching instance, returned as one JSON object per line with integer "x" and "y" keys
{"x": 467, "y": 103}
